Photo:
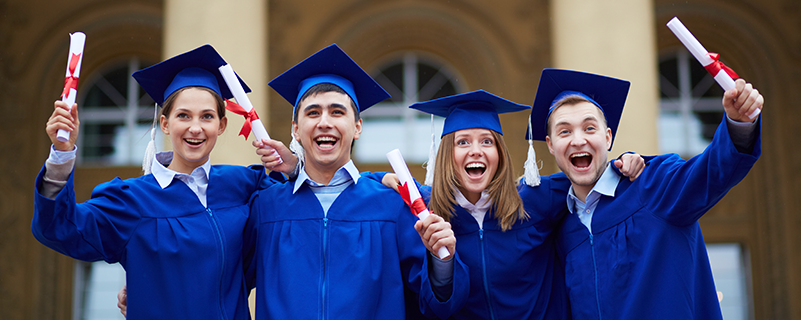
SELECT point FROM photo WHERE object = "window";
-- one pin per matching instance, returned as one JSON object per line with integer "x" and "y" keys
{"x": 116, "y": 115}
{"x": 731, "y": 274}
{"x": 391, "y": 124}
{"x": 690, "y": 105}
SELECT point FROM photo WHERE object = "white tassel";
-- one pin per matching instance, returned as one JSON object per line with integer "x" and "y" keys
{"x": 295, "y": 147}
{"x": 531, "y": 170}
{"x": 150, "y": 150}
{"x": 432, "y": 154}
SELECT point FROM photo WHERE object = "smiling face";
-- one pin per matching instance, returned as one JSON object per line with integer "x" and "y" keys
{"x": 475, "y": 155}
{"x": 193, "y": 124}
{"x": 579, "y": 139}
{"x": 326, "y": 127}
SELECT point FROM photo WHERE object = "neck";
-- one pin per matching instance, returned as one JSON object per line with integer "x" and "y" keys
{"x": 184, "y": 168}
{"x": 322, "y": 173}
{"x": 471, "y": 197}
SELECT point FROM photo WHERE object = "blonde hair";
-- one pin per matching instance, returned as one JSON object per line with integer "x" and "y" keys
{"x": 506, "y": 202}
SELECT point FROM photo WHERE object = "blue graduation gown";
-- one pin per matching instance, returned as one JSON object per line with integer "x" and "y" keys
{"x": 182, "y": 260}
{"x": 646, "y": 258}
{"x": 352, "y": 264}
{"x": 515, "y": 274}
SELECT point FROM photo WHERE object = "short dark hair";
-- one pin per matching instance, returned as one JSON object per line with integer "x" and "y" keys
{"x": 323, "y": 88}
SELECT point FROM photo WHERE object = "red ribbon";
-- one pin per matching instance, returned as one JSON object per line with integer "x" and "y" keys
{"x": 249, "y": 116}
{"x": 715, "y": 67}
{"x": 71, "y": 81}
{"x": 417, "y": 206}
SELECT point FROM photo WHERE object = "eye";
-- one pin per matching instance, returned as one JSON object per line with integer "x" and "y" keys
{"x": 338, "y": 112}
{"x": 487, "y": 142}
{"x": 208, "y": 116}
{"x": 563, "y": 132}
{"x": 182, "y": 115}
{"x": 590, "y": 129}
{"x": 312, "y": 113}
{"x": 462, "y": 142}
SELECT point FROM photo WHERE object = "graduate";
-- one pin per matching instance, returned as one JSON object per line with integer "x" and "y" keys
{"x": 634, "y": 250}
{"x": 333, "y": 245}
{"x": 506, "y": 241}
{"x": 178, "y": 230}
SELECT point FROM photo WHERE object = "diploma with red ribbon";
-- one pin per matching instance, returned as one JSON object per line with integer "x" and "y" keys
{"x": 243, "y": 105}
{"x": 723, "y": 74}
{"x": 409, "y": 192}
{"x": 74, "y": 60}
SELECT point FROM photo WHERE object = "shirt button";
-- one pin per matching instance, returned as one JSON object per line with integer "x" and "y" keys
{"x": 588, "y": 211}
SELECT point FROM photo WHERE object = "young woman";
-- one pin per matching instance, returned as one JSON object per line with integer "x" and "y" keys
{"x": 506, "y": 241}
{"x": 178, "y": 230}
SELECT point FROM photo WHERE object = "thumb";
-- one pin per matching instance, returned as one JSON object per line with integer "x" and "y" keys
{"x": 619, "y": 164}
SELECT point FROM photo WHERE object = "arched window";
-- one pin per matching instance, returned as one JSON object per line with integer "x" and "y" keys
{"x": 391, "y": 124}
{"x": 115, "y": 117}
{"x": 690, "y": 105}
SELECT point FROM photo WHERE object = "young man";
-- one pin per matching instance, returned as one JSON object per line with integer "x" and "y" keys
{"x": 332, "y": 245}
{"x": 634, "y": 250}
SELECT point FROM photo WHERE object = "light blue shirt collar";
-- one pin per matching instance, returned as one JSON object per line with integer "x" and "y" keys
{"x": 345, "y": 173}
{"x": 164, "y": 176}
{"x": 605, "y": 185}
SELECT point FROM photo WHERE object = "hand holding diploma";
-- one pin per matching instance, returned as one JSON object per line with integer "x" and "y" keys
{"x": 74, "y": 60}
{"x": 435, "y": 232}
{"x": 723, "y": 75}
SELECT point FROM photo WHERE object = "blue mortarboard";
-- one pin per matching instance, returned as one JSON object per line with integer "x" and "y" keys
{"x": 609, "y": 94}
{"x": 329, "y": 65}
{"x": 476, "y": 109}
{"x": 196, "y": 68}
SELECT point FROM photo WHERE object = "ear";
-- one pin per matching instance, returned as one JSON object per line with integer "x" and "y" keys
{"x": 358, "y": 130}
{"x": 163, "y": 125}
{"x": 223, "y": 125}
{"x": 549, "y": 143}
{"x": 295, "y": 131}
{"x": 608, "y": 138}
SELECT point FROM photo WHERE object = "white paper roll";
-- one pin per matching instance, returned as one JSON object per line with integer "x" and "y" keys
{"x": 405, "y": 177}
{"x": 242, "y": 99}
{"x": 77, "y": 41}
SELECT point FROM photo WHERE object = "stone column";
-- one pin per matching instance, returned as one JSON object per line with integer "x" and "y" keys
{"x": 238, "y": 31}
{"x": 617, "y": 39}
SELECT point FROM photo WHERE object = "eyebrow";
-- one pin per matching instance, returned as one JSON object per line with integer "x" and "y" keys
{"x": 315, "y": 105}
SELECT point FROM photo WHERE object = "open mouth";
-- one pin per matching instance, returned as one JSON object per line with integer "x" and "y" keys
{"x": 475, "y": 169}
{"x": 195, "y": 142}
{"x": 326, "y": 141}
{"x": 581, "y": 160}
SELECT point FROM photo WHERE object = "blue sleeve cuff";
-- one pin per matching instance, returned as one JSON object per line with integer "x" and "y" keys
{"x": 60, "y": 157}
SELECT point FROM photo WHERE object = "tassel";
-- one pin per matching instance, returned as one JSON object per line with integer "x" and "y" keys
{"x": 297, "y": 149}
{"x": 432, "y": 154}
{"x": 532, "y": 171}
{"x": 150, "y": 150}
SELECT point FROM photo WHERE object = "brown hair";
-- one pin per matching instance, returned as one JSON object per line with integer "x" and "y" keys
{"x": 506, "y": 202}
{"x": 572, "y": 99}
{"x": 166, "y": 107}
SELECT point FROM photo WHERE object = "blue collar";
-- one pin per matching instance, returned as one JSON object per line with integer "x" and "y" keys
{"x": 605, "y": 185}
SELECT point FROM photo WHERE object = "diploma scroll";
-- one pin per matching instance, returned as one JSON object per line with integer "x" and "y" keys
{"x": 709, "y": 61}
{"x": 242, "y": 100}
{"x": 413, "y": 197}
{"x": 74, "y": 60}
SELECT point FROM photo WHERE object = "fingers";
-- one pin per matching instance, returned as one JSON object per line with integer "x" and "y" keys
{"x": 63, "y": 118}
{"x": 436, "y": 233}
{"x": 743, "y": 102}
{"x": 390, "y": 180}
{"x": 122, "y": 300}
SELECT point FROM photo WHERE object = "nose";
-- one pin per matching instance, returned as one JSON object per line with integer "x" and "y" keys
{"x": 195, "y": 127}
{"x": 579, "y": 139}
{"x": 475, "y": 150}
{"x": 324, "y": 121}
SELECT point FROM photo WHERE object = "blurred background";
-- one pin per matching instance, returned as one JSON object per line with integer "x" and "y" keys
{"x": 418, "y": 50}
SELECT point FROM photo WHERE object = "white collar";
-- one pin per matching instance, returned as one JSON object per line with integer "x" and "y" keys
{"x": 349, "y": 170}
{"x": 164, "y": 176}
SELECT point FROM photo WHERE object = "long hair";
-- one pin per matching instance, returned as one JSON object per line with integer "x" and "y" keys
{"x": 506, "y": 203}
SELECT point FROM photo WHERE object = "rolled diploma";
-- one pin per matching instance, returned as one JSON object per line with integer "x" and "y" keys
{"x": 242, "y": 99}
{"x": 399, "y": 166}
{"x": 701, "y": 54}
{"x": 77, "y": 41}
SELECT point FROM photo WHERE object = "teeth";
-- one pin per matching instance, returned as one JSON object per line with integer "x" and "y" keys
{"x": 324, "y": 139}
{"x": 194, "y": 140}
{"x": 475, "y": 165}
{"x": 583, "y": 154}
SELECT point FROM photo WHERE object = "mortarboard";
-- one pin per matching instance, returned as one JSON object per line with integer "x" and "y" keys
{"x": 609, "y": 94}
{"x": 476, "y": 109}
{"x": 329, "y": 65}
{"x": 196, "y": 68}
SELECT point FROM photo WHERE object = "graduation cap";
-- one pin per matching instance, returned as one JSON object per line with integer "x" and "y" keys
{"x": 476, "y": 109}
{"x": 329, "y": 65}
{"x": 609, "y": 94}
{"x": 196, "y": 68}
